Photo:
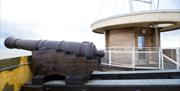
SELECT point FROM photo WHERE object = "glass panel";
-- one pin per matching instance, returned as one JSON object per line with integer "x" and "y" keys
{"x": 141, "y": 42}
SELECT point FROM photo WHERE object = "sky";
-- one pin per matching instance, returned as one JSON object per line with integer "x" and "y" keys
{"x": 52, "y": 19}
{"x": 68, "y": 20}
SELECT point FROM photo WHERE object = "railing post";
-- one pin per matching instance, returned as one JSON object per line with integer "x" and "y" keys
{"x": 133, "y": 58}
{"x": 110, "y": 61}
{"x": 159, "y": 61}
{"x": 177, "y": 57}
{"x": 162, "y": 59}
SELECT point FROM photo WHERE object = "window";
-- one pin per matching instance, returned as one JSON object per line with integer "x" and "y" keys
{"x": 141, "y": 43}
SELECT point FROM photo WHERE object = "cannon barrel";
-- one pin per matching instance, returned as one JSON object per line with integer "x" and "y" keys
{"x": 86, "y": 49}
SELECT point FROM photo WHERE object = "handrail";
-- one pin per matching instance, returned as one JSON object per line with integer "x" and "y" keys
{"x": 14, "y": 66}
{"x": 132, "y": 51}
{"x": 130, "y": 66}
{"x": 129, "y": 47}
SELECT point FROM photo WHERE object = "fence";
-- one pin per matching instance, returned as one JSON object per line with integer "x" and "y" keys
{"x": 142, "y": 58}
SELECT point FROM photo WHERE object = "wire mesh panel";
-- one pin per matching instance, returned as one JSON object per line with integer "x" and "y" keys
{"x": 171, "y": 58}
{"x": 118, "y": 57}
{"x": 105, "y": 60}
{"x": 147, "y": 57}
{"x": 122, "y": 59}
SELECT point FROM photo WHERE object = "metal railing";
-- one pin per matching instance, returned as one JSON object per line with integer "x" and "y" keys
{"x": 14, "y": 66}
{"x": 171, "y": 55}
{"x": 141, "y": 58}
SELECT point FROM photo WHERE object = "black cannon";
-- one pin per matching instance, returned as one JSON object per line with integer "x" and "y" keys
{"x": 86, "y": 49}
{"x": 52, "y": 60}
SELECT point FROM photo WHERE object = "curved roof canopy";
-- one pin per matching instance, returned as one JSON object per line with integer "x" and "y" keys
{"x": 166, "y": 20}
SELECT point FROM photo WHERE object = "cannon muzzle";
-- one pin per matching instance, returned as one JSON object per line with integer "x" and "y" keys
{"x": 86, "y": 49}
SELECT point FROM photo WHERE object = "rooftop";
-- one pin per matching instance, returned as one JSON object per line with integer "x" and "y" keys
{"x": 166, "y": 20}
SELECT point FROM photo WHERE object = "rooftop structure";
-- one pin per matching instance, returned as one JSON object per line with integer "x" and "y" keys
{"x": 133, "y": 39}
{"x": 165, "y": 19}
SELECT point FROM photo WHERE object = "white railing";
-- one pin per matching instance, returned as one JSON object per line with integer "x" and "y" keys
{"x": 173, "y": 56}
{"x": 141, "y": 58}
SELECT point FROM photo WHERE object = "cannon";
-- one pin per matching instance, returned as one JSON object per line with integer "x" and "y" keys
{"x": 86, "y": 49}
{"x": 54, "y": 60}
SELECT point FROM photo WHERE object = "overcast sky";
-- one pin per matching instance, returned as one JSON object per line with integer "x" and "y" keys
{"x": 68, "y": 19}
